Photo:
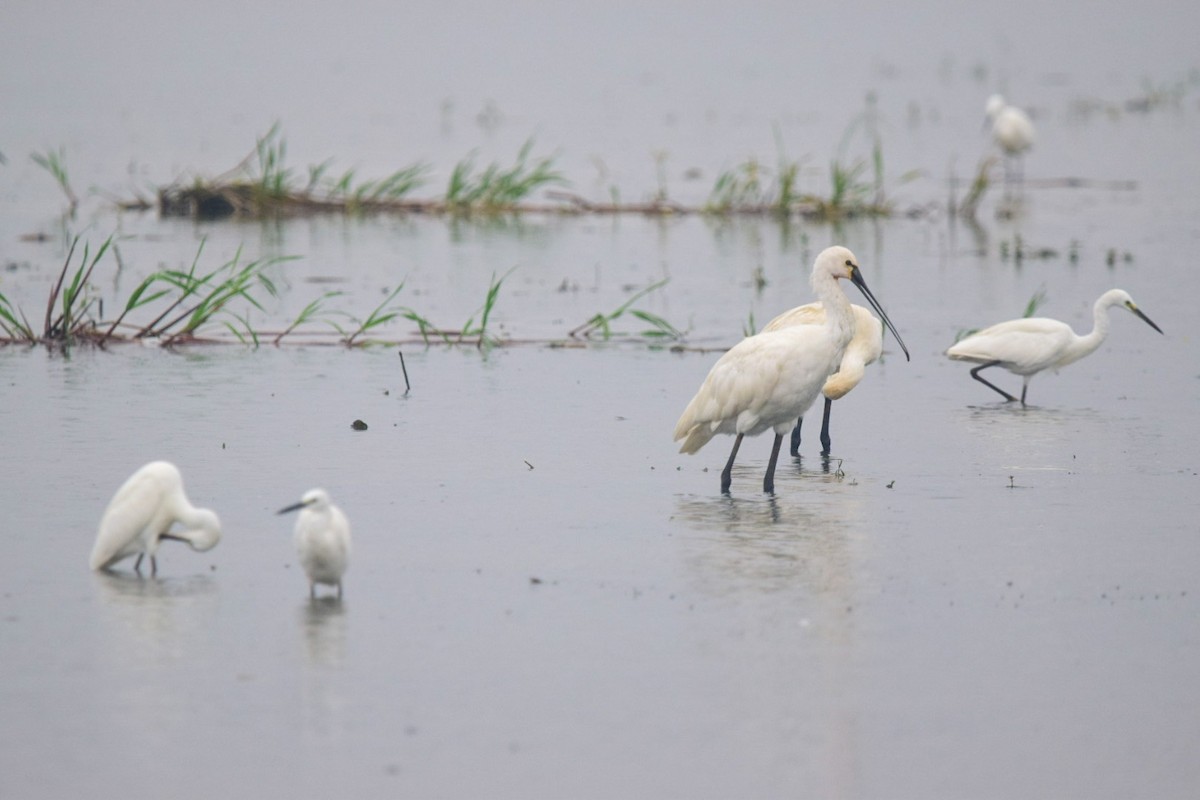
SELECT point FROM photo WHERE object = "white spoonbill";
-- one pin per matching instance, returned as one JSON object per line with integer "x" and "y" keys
{"x": 769, "y": 380}
{"x": 141, "y": 514}
{"x": 1027, "y": 346}
{"x": 865, "y": 348}
{"x": 322, "y": 540}
{"x": 1011, "y": 129}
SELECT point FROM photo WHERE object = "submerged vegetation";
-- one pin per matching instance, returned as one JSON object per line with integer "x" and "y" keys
{"x": 600, "y": 326}
{"x": 191, "y": 300}
{"x": 173, "y": 307}
{"x": 264, "y": 185}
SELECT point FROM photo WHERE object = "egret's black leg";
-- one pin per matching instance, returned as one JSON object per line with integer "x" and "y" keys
{"x": 727, "y": 473}
{"x": 975, "y": 374}
{"x": 825, "y": 428}
{"x": 794, "y": 448}
{"x": 137, "y": 565}
{"x": 153, "y": 566}
{"x": 769, "y": 478}
{"x": 1024, "y": 388}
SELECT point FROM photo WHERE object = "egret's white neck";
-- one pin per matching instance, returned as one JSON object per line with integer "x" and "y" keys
{"x": 1085, "y": 345}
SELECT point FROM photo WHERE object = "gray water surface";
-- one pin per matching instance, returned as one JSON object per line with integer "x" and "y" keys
{"x": 969, "y": 599}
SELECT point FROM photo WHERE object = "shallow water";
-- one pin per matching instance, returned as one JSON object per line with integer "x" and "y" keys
{"x": 545, "y": 599}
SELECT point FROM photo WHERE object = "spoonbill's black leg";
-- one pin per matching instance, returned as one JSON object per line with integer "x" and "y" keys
{"x": 825, "y": 428}
{"x": 794, "y": 448}
{"x": 769, "y": 478}
{"x": 727, "y": 473}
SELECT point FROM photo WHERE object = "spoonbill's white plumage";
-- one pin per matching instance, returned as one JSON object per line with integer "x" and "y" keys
{"x": 141, "y": 514}
{"x": 1012, "y": 130}
{"x": 1027, "y": 346}
{"x": 322, "y": 540}
{"x": 865, "y": 348}
{"x": 767, "y": 381}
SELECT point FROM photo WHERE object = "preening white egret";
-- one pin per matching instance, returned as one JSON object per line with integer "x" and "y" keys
{"x": 865, "y": 348}
{"x": 769, "y": 380}
{"x": 1027, "y": 346}
{"x": 141, "y": 514}
{"x": 322, "y": 539}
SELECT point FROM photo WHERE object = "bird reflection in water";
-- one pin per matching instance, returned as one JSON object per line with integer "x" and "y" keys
{"x": 323, "y": 626}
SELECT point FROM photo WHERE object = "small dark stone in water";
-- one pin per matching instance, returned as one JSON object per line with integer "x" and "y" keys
{"x": 358, "y": 425}
{"x": 535, "y": 581}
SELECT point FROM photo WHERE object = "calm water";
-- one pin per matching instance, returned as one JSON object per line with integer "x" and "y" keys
{"x": 545, "y": 599}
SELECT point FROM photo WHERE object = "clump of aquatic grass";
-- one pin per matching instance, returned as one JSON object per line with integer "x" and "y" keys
{"x": 312, "y": 311}
{"x": 746, "y": 189}
{"x": 601, "y": 325}
{"x": 196, "y": 301}
{"x": 382, "y": 314}
{"x": 1018, "y": 250}
{"x": 68, "y": 306}
{"x": 393, "y": 187}
{"x": 749, "y": 328}
{"x": 739, "y": 187}
{"x": 853, "y": 190}
{"x": 262, "y": 184}
{"x": 975, "y": 192}
{"x": 425, "y": 328}
{"x": 471, "y": 331}
{"x": 202, "y": 297}
{"x": 480, "y": 332}
{"x": 55, "y": 162}
{"x": 16, "y": 326}
{"x": 475, "y": 330}
{"x": 72, "y": 317}
{"x": 495, "y": 188}
{"x": 274, "y": 179}
{"x": 1035, "y": 302}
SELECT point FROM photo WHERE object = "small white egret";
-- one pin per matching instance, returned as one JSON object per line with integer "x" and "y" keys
{"x": 1012, "y": 130}
{"x": 322, "y": 540}
{"x": 142, "y": 512}
{"x": 865, "y": 348}
{"x": 769, "y": 380}
{"x": 1027, "y": 346}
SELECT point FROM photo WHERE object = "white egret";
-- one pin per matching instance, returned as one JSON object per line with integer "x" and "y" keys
{"x": 865, "y": 348}
{"x": 1012, "y": 130}
{"x": 141, "y": 514}
{"x": 768, "y": 380}
{"x": 322, "y": 540}
{"x": 1027, "y": 346}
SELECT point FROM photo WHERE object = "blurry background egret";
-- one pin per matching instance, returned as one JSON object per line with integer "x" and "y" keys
{"x": 1029, "y": 345}
{"x": 865, "y": 348}
{"x": 767, "y": 381}
{"x": 1012, "y": 130}
{"x": 322, "y": 539}
{"x": 142, "y": 512}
